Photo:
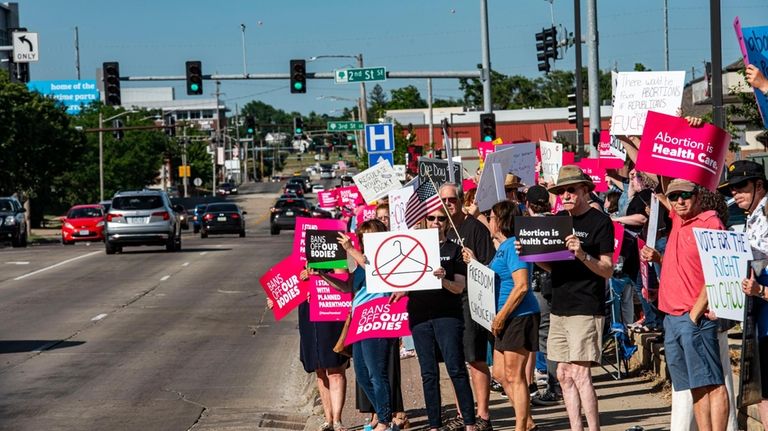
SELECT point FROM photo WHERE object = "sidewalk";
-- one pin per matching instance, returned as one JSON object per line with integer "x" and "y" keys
{"x": 622, "y": 404}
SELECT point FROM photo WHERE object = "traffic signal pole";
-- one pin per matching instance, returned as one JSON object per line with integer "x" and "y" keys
{"x": 579, "y": 89}
{"x": 594, "y": 78}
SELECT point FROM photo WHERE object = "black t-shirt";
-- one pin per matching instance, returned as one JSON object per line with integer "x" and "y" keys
{"x": 576, "y": 290}
{"x": 424, "y": 305}
{"x": 476, "y": 237}
{"x": 638, "y": 205}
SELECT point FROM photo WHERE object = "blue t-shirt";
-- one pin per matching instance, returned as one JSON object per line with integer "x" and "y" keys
{"x": 762, "y": 309}
{"x": 361, "y": 291}
{"x": 504, "y": 263}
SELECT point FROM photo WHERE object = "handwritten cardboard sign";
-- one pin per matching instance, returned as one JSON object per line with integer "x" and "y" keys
{"x": 754, "y": 49}
{"x": 323, "y": 250}
{"x": 481, "y": 292}
{"x": 724, "y": 258}
{"x": 303, "y": 224}
{"x": 640, "y": 92}
{"x": 437, "y": 169}
{"x": 377, "y": 181}
{"x": 327, "y": 198}
{"x": 379, "y": 319}
{"x": 551, "y": 160}
{"x": 327, "y": 304}
{"x": 543, "y": 238}
{"x": 671, "y": 148}
{"x": 282, "y": 285}
{"x": 518, "y": 159}
{"x": 491, "y": 187}
{"x": 398, "y": 200}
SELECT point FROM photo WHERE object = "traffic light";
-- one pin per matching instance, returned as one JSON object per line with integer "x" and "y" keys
{"x": 298, "y": 126}
{"x": 117, "y": 134}
{"x": 111, "y": 76}
{"x": 298, "y": 76}
{"x": 169, "y": 122}
{"x": 572, "y": 108}
{"x": 250, "y": 125}
{"x": 194, "y": 78}
{"x": 546, "y": 47}
{"x": 488, "y": 127}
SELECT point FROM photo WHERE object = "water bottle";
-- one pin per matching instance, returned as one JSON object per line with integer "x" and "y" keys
{"x": 367, "y": 427}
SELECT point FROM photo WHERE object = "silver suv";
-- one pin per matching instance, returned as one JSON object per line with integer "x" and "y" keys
{"x": 142, "y": 218}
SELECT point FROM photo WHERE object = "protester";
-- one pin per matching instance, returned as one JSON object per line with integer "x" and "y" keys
{"x": 516, "y": 324}
{"x": 756, "y": 79}
{"x": 578, "y": 296}
{"x": 690, "y": 342}
{"x": 382, "y": 213}
{"x": 436, "y": 321}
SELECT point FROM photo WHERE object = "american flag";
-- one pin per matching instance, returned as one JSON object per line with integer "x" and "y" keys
{"x": 422, "y": 202}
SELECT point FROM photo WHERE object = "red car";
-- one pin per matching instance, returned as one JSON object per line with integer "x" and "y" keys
{"x": 83, "y": 223}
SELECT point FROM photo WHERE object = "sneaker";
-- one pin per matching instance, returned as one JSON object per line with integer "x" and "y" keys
{"x": 455, "y": 424}
{"x": 533, "y": 389}
{"x": 496, "y": 386}
{"x": 545, "y": 398}
{"x": 483, "y": 424}
{"x": 405, "y": 354}
{"x": 503, "y": 394}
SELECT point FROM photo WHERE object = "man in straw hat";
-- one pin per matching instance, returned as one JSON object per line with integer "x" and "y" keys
{"x": 578, "y": 296}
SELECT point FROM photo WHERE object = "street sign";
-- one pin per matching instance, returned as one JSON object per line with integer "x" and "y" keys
{"x": 376, "y": 158}
{"x": 344, "y": 76}
{"x": 344, "y": 126}
{"x": 198, "y": 182}
{"x": 25, "y": 48}
{"x": 380, "y": 138}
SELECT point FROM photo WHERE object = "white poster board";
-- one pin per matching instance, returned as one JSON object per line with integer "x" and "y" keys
{"x": 724, "y": 258}
{"x": 518, "y": 159}
{"x": 481, "y": 292}
{"x": 551, "y": 160}
{"x": 491, "y": 187}
{"x": 637, "y": 93}
{"x": 402, "y": 261}
{"x": 377, "y": 181}
{"x": 398, "y": 199}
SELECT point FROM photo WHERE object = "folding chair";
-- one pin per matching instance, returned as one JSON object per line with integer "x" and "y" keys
{"x": 617, "y": 347}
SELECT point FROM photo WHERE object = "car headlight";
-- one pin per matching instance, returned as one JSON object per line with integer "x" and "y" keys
{"x": 69, "y": 226}
{"x": 10, "y": 221}
{"x": 100, "y": 224}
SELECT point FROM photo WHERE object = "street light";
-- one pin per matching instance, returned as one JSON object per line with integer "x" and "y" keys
{"x": 101, "y": 148}
{"x": 455, "y": 134}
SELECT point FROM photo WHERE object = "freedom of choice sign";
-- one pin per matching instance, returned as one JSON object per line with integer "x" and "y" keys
{"x": 481, "y": 292}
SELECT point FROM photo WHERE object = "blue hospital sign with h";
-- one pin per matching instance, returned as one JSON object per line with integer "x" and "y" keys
{"x": 380, "y": 138}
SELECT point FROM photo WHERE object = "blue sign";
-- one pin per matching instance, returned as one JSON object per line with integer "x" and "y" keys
{"x": 380, "y": 138}
{"x": 376, "y": 158}
{"x": 756, "y": 43}
{"x": 71, "y": 94}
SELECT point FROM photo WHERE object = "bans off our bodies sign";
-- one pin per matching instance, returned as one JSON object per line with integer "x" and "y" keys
{"x": 281, "y": 284}
{"x": 379, "y": 319}
{"x": 323, "y": 250}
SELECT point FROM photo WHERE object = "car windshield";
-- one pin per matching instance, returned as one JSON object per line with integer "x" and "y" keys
{"x": 221, "y": 207}
{"x": 5, "y": 205}
{"x": 291, "y": 204}
{"x": 85, "y": 213}
{"x": 137, "y": 202}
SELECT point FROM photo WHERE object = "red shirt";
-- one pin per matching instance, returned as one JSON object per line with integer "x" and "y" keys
{"x": 682, "y": 278}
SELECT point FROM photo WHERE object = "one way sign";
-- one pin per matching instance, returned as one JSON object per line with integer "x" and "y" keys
{"x": 25, "y": 48}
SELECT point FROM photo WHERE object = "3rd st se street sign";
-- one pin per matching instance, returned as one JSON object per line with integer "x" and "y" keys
{"x": 344, "y": 126}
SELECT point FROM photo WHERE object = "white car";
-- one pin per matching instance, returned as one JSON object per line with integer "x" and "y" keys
{"x": 318, "y": 188}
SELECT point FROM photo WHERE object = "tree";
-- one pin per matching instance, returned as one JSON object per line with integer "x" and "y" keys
{"x": 406, "y": 98}
{"x": 378, "y": 102}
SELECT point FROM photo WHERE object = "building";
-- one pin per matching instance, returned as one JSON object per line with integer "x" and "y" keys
{"x": 200, "y": 112}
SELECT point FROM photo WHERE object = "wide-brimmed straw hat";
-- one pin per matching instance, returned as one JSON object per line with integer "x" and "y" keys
{"x": 571, "y": 174}
{"x": 512, "y": 181}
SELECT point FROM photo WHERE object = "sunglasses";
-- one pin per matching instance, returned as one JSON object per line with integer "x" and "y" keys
{"x": 571, "y": 190}
{"x": 452, "y": 199}
{"x": 673, "y": 197}
{"x": 439, "y": 218}
{"x": 739, "y": 185}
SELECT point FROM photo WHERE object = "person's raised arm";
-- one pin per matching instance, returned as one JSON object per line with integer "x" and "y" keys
{"x": 346, "y": 244}
{"x": 756, "y": 78}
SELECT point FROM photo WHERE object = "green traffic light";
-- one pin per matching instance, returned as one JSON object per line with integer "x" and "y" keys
{"x": 250, "y": 131}
{"x": 194, "y": 87}
{"x": 298, "y": 85}
{"x": 487, "y": 138}
{"x": 298, "y": 131}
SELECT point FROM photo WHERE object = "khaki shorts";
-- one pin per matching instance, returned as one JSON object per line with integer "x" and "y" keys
{"x": 575, "y": 338}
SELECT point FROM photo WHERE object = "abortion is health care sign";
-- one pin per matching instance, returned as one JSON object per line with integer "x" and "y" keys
{"x": 543, "y": 238}
{"x": 303, "y": 224}
{"x": 672, "y": 148}
{"x": 327, "y": 304}
{"x": 282, "y": 285}
{"x": 481, "y": 292}
{"x": 724, "y": 258}
{"x": 378, "y": 318}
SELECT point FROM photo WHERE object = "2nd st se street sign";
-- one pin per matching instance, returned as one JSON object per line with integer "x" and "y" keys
{"x": 366, "y": 74}
{"x": 344, "y": 126}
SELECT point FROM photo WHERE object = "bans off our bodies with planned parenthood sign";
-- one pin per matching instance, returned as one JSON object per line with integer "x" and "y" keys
{"x": 543, "y": 238}
{"x": 326, "y": 304}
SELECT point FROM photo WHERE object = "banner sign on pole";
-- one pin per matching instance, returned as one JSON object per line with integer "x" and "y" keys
{"x": 481, "y": 292}
{"x": 491, "y": 187}
{"x": 326, "y": 304}
{"x": 637, "y": 93}
{"x": 754, "y": 50}
{"x": 551, "y": 160}
{"x": 543, "y": 238}
{"x": 323, "y": 251}
{"x": 376, "y": 181}
{"x": 281, "y": 284}
{"x": 724, "y": 257}
{"x": 303, "y": 224}
{"x": 378, "y": 318}
{"x": 670, "y": 147}
{"x": 402, "y": 261}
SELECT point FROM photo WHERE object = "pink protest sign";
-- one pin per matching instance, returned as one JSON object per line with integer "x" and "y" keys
{"x": 364, "y": 213}
{"x": 468, "y": 184}
{"x": 378, "y": 318}
{"x": 283, "y": 287}
{"x": 592, "y": 168}
{"x": 327, "y": 198}
{"x": 558, "y": 206}
{"x": 484, "y": 148}
{"x": 607, "y": 159}
{"x": 326, "y": 304}
{"x": 299, "y": 236}
{"x": 568, "y": 158}
{"x": 618, "y": 240}
{"x": 349, "y": 197}
{"x": 672, "y": 148}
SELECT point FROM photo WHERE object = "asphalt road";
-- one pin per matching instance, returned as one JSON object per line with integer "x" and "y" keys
{"x": 150, "y": 340}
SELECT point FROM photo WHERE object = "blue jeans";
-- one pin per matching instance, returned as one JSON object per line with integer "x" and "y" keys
{"x": 370, "y": 360}
{"x": 446, "y": 334}
{"x": 652, "y": 319}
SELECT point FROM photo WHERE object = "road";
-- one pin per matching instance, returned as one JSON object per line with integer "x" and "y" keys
{"x": 149, "y": 340}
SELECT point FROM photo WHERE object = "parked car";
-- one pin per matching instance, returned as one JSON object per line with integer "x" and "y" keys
{"x": 106, "y": 205}
{"x": 197, "y": 217}
{"x": 223, "y": 217}
{"x": 318, "y": 188}
{"x": 83, "y": 223}
{"x": 144, "y": 217}
{"x": 284, "y": 212}
{"x": 13, "y": 225}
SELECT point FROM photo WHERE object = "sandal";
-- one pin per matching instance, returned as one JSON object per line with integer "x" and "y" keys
{"x": 337, "y": 426}
{"x": 401, "y": 423}
{"x": 326, "y": 426}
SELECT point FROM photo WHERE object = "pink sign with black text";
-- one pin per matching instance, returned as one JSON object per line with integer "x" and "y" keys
{"x": 282, "y": 285}
{"x": 672, "y": 148}
{"x": 326, "y": 304}
{"x": 378, "y": 318}
{"x": 300, "y": 234}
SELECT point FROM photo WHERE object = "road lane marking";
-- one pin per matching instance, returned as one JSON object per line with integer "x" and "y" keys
{"x": 165, "y": 277}
{"x": 99, "y": 317}
{"x": 64, "y": 262}
{"x": 17, "y": 263}
{"x": 203, "y": 253}
{"x": 185, "y": 264}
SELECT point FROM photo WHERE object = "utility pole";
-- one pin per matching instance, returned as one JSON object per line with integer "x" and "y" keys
{"x": 718, "y": 117}
{"x": 666, "y": 35}
{"x": 579, "y": 91}
{"x": 185, "y": 179}
{"x": 593, "y": 78}
{"x": 363, "y": 107}
{"x": 431, "y": 118}
{"x": 486, "y": 52}
{"x": 218, "y": 138}
{"x": 77, "y": 53}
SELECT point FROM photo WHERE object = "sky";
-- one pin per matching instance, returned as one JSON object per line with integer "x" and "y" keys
{"x": 156, "y": 37}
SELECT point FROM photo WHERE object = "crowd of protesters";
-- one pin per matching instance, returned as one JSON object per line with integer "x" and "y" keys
{"x": 552, "y": 317}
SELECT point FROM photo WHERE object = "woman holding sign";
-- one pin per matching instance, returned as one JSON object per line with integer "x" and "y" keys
{"x": 516, "y": 325}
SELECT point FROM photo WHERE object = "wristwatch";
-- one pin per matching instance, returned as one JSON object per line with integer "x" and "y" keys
{"x": 587, "y": 257}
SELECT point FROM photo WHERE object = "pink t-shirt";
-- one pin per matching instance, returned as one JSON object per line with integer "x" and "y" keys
{"x": 682, "y": 278}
